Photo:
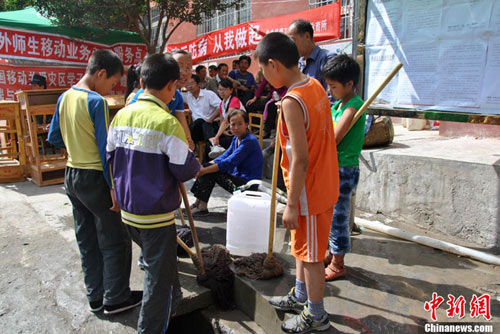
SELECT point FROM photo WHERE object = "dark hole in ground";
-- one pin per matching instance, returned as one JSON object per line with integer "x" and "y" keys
{"x": 193, "y": 322}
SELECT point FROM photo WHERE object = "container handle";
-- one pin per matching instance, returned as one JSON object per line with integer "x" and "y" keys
{"x": 254, "y": 194}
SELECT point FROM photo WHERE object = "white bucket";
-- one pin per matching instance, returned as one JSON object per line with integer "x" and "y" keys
{"x": 247, "y": 229}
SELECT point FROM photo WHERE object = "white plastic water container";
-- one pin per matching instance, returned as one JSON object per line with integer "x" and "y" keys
{"x": 247, "y": 228}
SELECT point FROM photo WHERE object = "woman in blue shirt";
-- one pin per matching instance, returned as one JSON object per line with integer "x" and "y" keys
{"x": 240, "y": 163}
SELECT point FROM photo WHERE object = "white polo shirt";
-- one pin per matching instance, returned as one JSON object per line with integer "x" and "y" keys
{"x": 204, "y": 106}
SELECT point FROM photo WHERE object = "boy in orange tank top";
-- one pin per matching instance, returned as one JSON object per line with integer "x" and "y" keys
{"x": 310, "y": 171}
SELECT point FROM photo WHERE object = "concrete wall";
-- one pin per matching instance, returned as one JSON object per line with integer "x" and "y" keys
{"x": 454, "y": 198}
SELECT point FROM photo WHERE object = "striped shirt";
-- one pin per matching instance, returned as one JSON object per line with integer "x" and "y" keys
{"x": 149, "y": 153}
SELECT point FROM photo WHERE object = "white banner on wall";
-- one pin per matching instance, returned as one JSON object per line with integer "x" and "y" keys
{"x": 450, "y": 50}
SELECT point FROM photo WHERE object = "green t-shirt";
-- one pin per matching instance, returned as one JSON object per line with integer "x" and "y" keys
{"x": 350, "y": 147}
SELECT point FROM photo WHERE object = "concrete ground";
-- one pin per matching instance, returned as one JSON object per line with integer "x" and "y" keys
{"x": 389, "y": 280}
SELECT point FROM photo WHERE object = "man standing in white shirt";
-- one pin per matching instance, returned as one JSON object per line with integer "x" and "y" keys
{"x": 204, "y": 106}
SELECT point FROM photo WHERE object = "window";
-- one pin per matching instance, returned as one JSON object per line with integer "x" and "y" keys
{"x": 345, "y": 15}
{"x": 227, "y": 18}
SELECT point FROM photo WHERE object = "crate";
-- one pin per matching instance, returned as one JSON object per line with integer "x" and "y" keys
{"x": 12, "y": 155}
{"x": 44, "y": 169}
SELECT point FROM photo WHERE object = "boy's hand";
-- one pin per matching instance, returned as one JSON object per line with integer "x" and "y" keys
{"x": 115, "y": 207}
{"x": 191, "y": 144}
{"x": 290, "y": 217}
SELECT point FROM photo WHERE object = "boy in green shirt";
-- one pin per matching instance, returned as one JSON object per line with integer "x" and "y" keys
{"x": 341, "y": 75}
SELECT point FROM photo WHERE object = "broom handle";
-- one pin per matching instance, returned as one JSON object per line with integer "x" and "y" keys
{"x": 191, "y": 224}
{"x": 274, "y": 184}
{"x": 185, "y": 247}
{"x": 181, "y": 215}
{"x": 367, "y": 103}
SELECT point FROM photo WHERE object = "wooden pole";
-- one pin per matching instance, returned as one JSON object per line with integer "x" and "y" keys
{"x": 191, "y": 224}
{"x": 367, "y": 103}
{"x": 274, "y": 184}
{"x": 181, "y": 216}
{"x": 185, "y": 247}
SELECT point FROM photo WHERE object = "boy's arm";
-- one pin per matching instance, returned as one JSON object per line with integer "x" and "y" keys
{"x": 294, "y": 118}
{"x": 55, "y": 137}
{"x": 182, "y": 161}
{"x": 99, "y": 114}
{"x": 342, "y": 127}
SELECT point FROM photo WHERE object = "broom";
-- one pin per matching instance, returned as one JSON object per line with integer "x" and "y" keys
{"x": 213, "y": 263}
{"x": 262, "y": 265}
{"x": 199, "y": 262}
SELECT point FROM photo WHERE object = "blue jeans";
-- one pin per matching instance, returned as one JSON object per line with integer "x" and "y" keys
{"x": 339, "y": 240}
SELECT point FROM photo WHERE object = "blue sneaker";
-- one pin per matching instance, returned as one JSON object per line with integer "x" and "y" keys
{"x": 305, "y": 323}
{"x": 288, "y": 302}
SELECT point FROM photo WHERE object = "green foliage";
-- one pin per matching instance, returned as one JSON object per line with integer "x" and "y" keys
{"x": 6, "y": 5}
{"x": 133, "y": 15}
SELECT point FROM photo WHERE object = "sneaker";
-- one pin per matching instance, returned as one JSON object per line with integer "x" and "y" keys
{"x": 288, "y": 302}
{"x": 96, "y": 306}
{"x": 305, "y": 323}
{"x": 134, "y": 300}
{"x": 216, "y": 151}
{"x": 197, "y": 212}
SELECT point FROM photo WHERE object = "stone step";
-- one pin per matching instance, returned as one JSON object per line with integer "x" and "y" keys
{"x": 231, "y": 322}
{"x": 388, "y": 282}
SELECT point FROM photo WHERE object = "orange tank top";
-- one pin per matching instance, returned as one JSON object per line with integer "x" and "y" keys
{"x": 322, "y": 180}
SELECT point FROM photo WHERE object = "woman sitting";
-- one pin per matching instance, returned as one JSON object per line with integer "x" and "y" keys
{"x": 230, "y": 102}
{"x": 240, "y": 163}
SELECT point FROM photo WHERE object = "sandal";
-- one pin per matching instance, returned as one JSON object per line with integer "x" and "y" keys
{"x": 328, "y": 259}
{"x": 334, "y": 271}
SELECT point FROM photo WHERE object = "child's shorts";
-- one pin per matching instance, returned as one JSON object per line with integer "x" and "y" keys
{"x": 310, "y": 240}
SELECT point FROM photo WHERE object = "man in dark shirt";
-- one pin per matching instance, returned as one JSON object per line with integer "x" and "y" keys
{"x": 312, "y": 57}
{"x": 246, "y": 81}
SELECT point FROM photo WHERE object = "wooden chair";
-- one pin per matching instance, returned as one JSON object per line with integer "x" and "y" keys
{"x": 45, "y": 169}
{"x": 200, "y": 145}
{"x": 259, "y": 125}
{"x": 12, "y": 155}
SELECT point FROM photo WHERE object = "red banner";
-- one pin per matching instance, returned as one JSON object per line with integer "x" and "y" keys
{"x": 243, "y": 37}
{"x": 23, "y": 44}
{"x": 15, "y": 78}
